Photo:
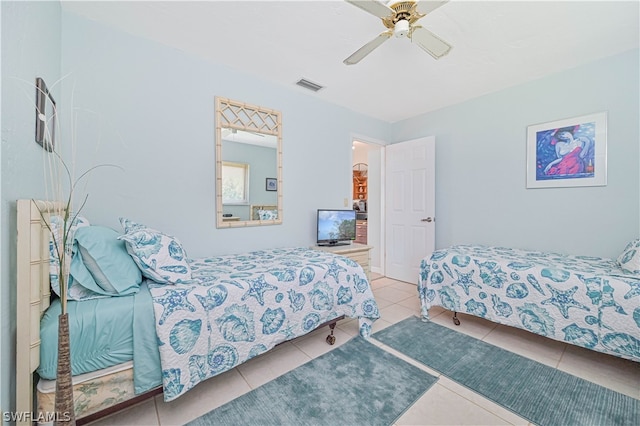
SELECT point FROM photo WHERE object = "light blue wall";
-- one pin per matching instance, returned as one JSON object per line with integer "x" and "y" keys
{"x": 30, "y": 49}
{"x": 481, "y": 194}
{"x": 153, "y": 115}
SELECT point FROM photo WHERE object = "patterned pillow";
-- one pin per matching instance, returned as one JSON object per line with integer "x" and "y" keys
{"x": 159, "y": 256}
{"x": 629, "y": 260}
{"x": 130, "y": 226}
{"x": 57, "y": 222}
{"x": 268, "y": 214}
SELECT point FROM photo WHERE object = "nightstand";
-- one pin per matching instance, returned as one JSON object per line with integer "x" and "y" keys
{"x": 359, "y": 253}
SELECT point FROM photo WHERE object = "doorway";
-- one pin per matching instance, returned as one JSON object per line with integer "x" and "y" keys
{"x": 370, "y": 153}
{"x": 411, "y": 238}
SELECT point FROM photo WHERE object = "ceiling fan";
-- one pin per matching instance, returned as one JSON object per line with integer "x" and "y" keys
{"x": 400, "y": 18}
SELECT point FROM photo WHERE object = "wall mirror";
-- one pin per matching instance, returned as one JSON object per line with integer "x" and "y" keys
{"x": 248, "y": 165}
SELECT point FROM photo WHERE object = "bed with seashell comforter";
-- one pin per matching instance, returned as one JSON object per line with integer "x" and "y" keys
{"x": 586, "y": 301}
{"x": 240, "y": 306}
{"x": 156, "y": 320}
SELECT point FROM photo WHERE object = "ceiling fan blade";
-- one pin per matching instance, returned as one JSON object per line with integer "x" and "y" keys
{"x": 374, "y": 7}
{"x": 359, "y": 54}
{"x": 430, "y": 42}
{"x": 428, "y": 6}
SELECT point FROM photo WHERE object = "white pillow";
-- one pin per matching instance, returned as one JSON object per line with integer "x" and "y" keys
{"x": 629, "y": 259}
{"x": 159, "y": 256}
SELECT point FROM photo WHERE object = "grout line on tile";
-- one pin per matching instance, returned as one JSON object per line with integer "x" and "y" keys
{"x": 155, "y": 405}
{"x": 432, "y": 316}
{"x": 310, "y": 356}
{"x": 564, "y": 350}
{"x": 488, "y": 409}
{"x": 406, "y": 358}
{"x": 495, "y": 325}
{"x": 243, "y": 377}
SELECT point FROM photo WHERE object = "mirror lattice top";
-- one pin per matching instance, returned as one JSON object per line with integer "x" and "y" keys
{"x": 243, "y": 116}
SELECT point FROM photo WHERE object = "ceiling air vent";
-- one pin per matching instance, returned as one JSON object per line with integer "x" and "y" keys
{"x": 309, "y": 85}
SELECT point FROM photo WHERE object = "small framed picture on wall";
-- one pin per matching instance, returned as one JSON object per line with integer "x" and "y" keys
{"x": 272, "y": 184}
{"x": 46, "y": 119}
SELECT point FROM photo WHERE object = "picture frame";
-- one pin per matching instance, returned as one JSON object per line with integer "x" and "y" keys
{"x": 568, "y": 153}
{"x": 46, "y": 120}
{"x": 272, "y": 184}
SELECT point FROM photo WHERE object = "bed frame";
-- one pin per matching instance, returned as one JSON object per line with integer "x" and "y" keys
{"x": 33, "y": 298}
{"x": 33, "y": 294}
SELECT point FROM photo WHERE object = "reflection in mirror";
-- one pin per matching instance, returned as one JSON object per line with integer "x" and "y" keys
{"x": 235, "y": 182}
{"x": 248, "y": 165}
{"x": 248, "y": 160}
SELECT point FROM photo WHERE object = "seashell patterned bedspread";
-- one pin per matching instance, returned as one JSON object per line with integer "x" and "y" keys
{"x": 582, "y": 300}
{"x": 240, "y": 306}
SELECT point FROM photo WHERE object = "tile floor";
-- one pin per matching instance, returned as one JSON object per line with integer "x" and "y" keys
{"x": 446, "y": 403}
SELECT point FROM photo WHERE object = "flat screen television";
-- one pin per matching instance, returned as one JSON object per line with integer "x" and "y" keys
{"x": 336, "y": 227}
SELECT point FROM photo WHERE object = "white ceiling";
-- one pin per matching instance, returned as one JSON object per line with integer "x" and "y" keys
{"x": 495, "y": 44}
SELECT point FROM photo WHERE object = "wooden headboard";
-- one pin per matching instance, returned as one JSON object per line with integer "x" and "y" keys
{"x": 256, "y": 207}
{"x": 33, "y": 293}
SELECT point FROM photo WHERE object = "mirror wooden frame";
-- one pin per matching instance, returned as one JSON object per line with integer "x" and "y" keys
{"x": 236, "y": 115}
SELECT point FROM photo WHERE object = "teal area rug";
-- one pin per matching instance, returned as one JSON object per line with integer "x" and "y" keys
{"x": 534, "y": 391}
{"x": 357, "y": 383}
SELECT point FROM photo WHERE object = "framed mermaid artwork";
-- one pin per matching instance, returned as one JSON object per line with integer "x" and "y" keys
{"x": 568, "y": 152}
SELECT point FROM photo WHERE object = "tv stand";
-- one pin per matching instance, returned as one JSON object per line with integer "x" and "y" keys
{"x": 359, "y": 253}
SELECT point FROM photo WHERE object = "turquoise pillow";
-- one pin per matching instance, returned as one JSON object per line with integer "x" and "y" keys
{"x": 102, "y": 264}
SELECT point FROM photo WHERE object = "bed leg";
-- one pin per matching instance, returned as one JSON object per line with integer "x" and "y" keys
{"x": 331, "y": 339}
{"x": 456, "y": 321}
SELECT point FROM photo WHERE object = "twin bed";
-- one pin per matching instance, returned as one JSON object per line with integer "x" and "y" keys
{"x": 175, "y": 329}
{"x": 586, "y": 301}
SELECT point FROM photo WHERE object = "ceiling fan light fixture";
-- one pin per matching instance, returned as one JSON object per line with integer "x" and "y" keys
{"x": 400, "y": 17}
{"x": 401, "y": 28}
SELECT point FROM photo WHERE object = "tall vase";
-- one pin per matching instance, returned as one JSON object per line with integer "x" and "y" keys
{"x": 64, "y": 405}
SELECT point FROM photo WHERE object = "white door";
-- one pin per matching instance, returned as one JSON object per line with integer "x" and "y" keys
{"x": 410, "y": 207}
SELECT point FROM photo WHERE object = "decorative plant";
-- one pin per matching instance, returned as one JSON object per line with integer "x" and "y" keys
{"x": 61, "y": 186}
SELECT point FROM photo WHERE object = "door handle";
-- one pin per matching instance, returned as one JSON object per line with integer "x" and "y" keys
{"x": 429, "y": 219}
